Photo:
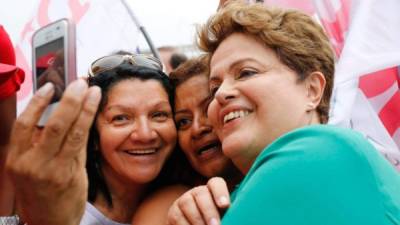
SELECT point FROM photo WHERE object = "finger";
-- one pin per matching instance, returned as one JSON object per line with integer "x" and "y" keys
{"x": 175, "y": 216}
{"x": 36, "y": 134}
{"x": 78, "y": 134}
{"x": 62, "y": 118}
{"x": 206, "y": 205}
{"x": 187, "y": 205}
{"x": 219, "y": 191}
{"x": 25, "y": 124}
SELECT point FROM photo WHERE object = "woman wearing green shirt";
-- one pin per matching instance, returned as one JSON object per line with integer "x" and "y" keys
{"x": 271, "y": 74}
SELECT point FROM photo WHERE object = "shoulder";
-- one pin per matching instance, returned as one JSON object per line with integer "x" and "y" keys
{"x": 316, "y": 173}
{"x": 319, "y": 150}
{"x": 168, "y": 193}
{"x": 93, "y": 216}
{"x": 316, "y": 143}
{"x": 321, "y": 134}
{"x": 160, "y": 202}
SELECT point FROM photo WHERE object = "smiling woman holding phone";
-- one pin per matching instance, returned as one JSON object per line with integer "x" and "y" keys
{"x": 131, "y": 138}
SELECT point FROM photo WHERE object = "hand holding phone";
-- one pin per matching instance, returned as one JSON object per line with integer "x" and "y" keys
{"x": 49, "y": 176}
{"x": 54, "y": 59}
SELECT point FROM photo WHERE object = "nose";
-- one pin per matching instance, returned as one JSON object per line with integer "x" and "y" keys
{"x": 143, "y": 131}
{"x": 225, "y": 93}
{"x": 201, "y": 126}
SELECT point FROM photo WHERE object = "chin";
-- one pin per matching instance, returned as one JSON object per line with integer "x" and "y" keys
{"x": 229, "y": 149}
{"x": 216, "y": 168}
{"x": 233, "y": 144}
{"x": 143, "y": 177}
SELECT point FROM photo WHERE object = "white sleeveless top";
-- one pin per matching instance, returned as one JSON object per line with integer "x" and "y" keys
{"x": 93, "y": 216}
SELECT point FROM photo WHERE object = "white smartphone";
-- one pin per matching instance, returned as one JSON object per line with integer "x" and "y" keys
{"x": 54, "y": 60}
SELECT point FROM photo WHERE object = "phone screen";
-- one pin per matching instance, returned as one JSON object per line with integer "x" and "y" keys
{"x": 50, "y": 66}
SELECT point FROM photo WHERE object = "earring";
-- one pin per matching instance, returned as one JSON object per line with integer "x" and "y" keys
{"x": 310, "y": 106}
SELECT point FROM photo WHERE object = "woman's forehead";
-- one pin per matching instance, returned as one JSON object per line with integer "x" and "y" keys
{"x": 136, "y": 90}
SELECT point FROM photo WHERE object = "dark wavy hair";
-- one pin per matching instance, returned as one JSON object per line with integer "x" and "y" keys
{"x": 192, "y": 67}
{"x": 170, "y": 172}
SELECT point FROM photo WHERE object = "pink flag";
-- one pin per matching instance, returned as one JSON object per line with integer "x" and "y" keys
{"x": 102, "y": 27}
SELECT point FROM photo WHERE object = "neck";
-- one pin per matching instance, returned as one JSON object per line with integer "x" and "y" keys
{"x": 233, "y": 177}
{"x": 125, "y": 197}
{"x": 315, "y": 118}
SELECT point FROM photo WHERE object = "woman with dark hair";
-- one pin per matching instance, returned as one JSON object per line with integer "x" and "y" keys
{"x": 196, "y": 136}
{"x": 132, "y": 136}
{"x": 130, "y": 141}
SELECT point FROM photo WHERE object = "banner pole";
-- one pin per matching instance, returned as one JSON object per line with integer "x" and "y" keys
{"x": 142, "y": 29}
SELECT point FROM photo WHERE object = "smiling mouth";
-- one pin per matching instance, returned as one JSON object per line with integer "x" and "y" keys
{"x": 210, "y": 147}
{"x": 141, "y": 152}
{"x": 235, "y": 115}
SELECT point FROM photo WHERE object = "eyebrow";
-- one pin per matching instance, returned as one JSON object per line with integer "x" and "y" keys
{"x": 181, "y": 111}
{"x": 234, "y": 65}
{"x": 119, "y": 106}
{"x": 203, "y": 102}
{"x": 116, "y": 106}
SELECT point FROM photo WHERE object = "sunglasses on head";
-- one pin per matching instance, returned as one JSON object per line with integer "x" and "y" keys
{"x": 112, "y": 61}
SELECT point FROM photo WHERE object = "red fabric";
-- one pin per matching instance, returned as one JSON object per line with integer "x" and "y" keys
{"x": 46, "y": 60}
{"x": 11, "y": 77}
{"x": 390, "y": 114}
{"x": 11, "y": 85}
{"x": 376, "y": 83}
{"x": 6, "y": 71}
{"x": 7, "y": 54}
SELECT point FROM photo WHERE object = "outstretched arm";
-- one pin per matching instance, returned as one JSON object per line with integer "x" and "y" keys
{"x": 49, "y": 176}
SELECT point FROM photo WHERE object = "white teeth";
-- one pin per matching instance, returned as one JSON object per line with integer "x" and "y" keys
{"x": 235, "y": 114}
{"x": 142, "y": 152}
{"x": 241, "y": 114}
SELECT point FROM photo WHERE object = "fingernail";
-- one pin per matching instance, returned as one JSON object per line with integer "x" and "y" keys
{"x": 94, "y": 95}
{"x": 223, "y": 201}
{"x": 45, "y": 89}
{"x": 213, "y": 221}
{"x": 78, "y": 86}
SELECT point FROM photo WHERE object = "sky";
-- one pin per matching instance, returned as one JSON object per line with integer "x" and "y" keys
{"x": 168, "y": 22}
{"x": 172, "y": 22}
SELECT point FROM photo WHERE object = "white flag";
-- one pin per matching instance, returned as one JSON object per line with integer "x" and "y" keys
{"x": 366, "y": 95}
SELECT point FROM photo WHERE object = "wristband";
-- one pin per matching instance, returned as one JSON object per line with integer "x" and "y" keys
{"x": 11, "y": 220}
